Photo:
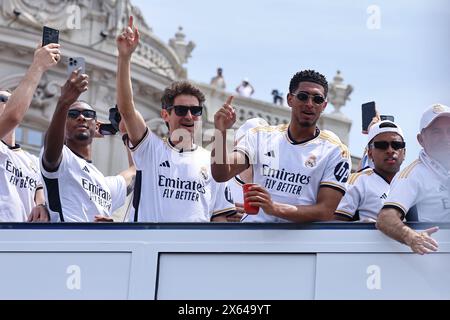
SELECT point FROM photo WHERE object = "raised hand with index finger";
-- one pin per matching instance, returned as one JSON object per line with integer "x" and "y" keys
{"x": 128, "y": 40}
{"x": 225, "y": 117}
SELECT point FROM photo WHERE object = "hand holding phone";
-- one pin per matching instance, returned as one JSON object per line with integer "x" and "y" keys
{"x": 49, "y": 35}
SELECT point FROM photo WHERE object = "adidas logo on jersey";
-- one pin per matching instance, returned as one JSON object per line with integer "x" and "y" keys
{"x": 165, "y": 164}
{"x": 270, "y": 154}
{"x": 85, "y": 169}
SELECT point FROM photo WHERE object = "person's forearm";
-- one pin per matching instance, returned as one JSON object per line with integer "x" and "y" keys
{"x": 390, "y": 224}
{"x": 220, "y": 168}
{"x": 129, "y": 175}
{"x": 39, "y": 197}
{"x": 124, "y": 87}
{"x": 130, "y": 158}
{"x": 134, "y": 123}
{"x": 20, "y": 100}
{"x": 309, "y": 213}
{"x": 54, "y": 138}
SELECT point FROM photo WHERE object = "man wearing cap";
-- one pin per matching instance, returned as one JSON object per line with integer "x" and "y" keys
{"x": 368, "y": 189}
{"x": 176, "y": 184}
{"x": 424, "y": 184}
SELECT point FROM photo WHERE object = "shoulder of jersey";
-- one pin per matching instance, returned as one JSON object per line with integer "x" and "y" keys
{"x": 354, "y": 176}
{"x": 407, "y": 171}
{"x": 270, "y": 129}
{"x": 332, "y": 138}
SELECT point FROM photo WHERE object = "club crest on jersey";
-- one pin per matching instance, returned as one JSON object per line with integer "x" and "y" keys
{"x": 342, "y": 172}
{"x": 311, "y": 162}
{"x": 204, "y": 173}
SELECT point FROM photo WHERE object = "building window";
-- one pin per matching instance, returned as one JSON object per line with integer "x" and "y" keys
{"x": 30, "y": 139}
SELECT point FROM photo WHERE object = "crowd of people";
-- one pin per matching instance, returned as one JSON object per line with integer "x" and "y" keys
{"x": 297, "y": 172}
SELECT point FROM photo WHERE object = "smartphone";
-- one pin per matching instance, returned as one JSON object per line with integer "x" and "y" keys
{"x": 368, "y": 113}
{"x": 107, "y": 129}
{"x": 386, "y": 117}
{"x": 76, "y": 63}
{"x": 49, "y": 35}
{"x": 115, "y": 117}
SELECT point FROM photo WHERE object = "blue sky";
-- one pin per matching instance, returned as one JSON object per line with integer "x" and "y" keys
{"x": 404, "y": 66}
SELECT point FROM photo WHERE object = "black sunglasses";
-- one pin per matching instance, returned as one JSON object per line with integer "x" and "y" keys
{"x": 182, "y": 111}
{"x": 4, "y": 98}
{"x": 87, "y": 114}
{"x": 384, "y": 145}
{"x": 304, "y": 96}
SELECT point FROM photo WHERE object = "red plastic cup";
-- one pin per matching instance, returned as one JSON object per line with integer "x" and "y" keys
{"x": 247, "y": 207}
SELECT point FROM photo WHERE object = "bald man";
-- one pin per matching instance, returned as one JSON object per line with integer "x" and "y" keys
{"x": 75, "y": 189}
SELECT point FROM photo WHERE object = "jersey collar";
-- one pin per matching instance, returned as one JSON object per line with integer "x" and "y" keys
{"x": 16, "y": 147}
{"x": 80, "y": 156}
{"x": 381, "y": 176}
{"x": 292, "y": 141}
{"x": 173, "y": 146}
{"x": 239, "y": 180}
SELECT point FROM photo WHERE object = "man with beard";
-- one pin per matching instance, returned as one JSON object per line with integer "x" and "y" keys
{"x": 76, "y": 190}
{"x": 368, "y": 189}
{"x": 424, "y": 184}
{"x": 300, "y": 170}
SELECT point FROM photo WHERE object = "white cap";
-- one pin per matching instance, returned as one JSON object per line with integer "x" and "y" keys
{"x": 384, "y": 126}
{"x": 245, "y": 80}
{"x": 432, "y": 113}
{"x": 249, "y": 124}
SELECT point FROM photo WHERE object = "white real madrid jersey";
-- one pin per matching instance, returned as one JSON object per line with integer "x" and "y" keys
{"x": 293, "y": 172}
{"x": 366, "y": 192}
{"x": 77, "y": 191}
{"x": 236, "y": 189}
{"x": 18, "y": 183}
{"x": 176, "y": 186}
{"x": 420, "y": 187}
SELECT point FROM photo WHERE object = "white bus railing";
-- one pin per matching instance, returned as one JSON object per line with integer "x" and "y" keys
{"x": 217, "y": 261}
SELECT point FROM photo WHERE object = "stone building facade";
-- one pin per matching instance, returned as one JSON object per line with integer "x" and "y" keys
{"x": 88, "y": 29}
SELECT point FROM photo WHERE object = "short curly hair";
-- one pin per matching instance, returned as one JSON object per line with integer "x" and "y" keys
{"x": 308, "y": 76}
{"x": 178, "y": 88}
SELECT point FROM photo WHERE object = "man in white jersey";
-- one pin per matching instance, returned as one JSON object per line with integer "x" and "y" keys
{"x": 424, "y": 184}
{"x": 301, "y": 171}
{"x": 21, "y": 198}
{"x": 368, "y": 189}
{"x": 76, "y": 190}
{"x": 176, "y": 184}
